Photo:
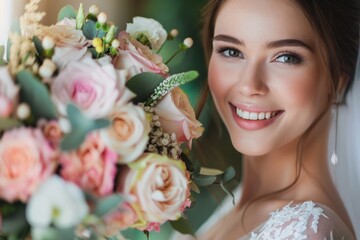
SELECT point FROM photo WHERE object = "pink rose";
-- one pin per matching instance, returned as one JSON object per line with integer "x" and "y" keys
{"x": 128, "y": 133}
{"x": 92, "y": 167}
{"x": 159, "y": 185}
{"x": 91, "y": 87}
{"x": 26, "y": 159}
{"x": 8, "y": 93}
{"x": 176, "y": 115}
{"x": 138, "y": 58}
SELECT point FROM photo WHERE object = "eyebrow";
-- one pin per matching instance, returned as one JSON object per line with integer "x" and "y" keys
{"x": 273, "y": 44}
{"x": 289, "y": 42}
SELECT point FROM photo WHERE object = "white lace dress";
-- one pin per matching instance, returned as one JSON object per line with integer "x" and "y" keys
{"x": 306, "y": 220}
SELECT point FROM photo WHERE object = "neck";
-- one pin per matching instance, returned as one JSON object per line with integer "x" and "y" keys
{"x": 279, "y": 169}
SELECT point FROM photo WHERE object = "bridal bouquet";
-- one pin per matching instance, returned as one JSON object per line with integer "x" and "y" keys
{"x": 92, "y": 129}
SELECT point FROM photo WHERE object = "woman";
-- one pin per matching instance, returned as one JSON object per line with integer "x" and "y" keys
{"x": 275, "y": 69}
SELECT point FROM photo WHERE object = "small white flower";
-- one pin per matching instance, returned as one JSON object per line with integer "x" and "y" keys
{"x": 47, "y": 69}
{"x": 58, "y": 202}
{"x": 174, "y": 32}
{"x": 94, "y": 10}
{"x": 115, "y": 43}
{"x": 23, "y": 111}
{"x": 102, "y": 18}
{"x": 48, "y": 43}
{"x": 151, "y": 28}
{"x": 188, "y": 42}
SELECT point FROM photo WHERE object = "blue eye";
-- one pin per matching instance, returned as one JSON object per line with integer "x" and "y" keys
{"x": 289, "y": 58}
{"x": 230, "y": 52}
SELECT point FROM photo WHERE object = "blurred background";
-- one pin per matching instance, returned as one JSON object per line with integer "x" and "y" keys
{"x": 214, "y": 148}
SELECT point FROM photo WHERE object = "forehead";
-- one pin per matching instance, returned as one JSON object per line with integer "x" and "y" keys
{"x": 263, "y": 20}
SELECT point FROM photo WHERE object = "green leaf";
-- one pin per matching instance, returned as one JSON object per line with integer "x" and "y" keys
{"x": 16, "y": 221}
{"x": 8, "y": 123}
{"x": 52, "y": 233}
{"x": 210, "y": 171}
{"x": 80, "y": 17}
{"x": 67, "y": 11}
{"x": 2, "y": 51}
{"x": 143, "y": 85}
{"x": 107, "y": 204}
{"x": 90, "y": 31}
{"x": 34, "y": 93}
{"x": 203, "y": 181}
{"x": 183, "y": 226}
{"x": 80, "y": 127}
{"x": 38, "y": 46}
{"x": 226, "y": 190}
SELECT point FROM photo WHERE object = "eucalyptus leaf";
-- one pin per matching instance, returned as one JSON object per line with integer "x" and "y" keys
{"x": 228, "y": 174}
{"x": 183, "y": 226}
{"x": 143, "y": 85}
{"x": 80, "y": 127}
{"x": 203, "y": 181}
{"x": 107, "y": 204}
{"x": 8, "y": 123}
{"x": 66, "y": 11}
{"x": 90, "y": 31}
{"x": 194, "y": 187}
{"x": 34, "y": 93}
{"x": 210, "y": 171}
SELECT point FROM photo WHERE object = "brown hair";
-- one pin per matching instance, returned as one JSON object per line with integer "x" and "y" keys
{"x": 336, "y": 22}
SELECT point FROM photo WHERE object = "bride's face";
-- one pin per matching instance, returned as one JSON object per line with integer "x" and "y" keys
{"x": 266, "y": 73}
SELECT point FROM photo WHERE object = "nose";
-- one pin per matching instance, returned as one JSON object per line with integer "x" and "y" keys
{"x": 252, "y": 79}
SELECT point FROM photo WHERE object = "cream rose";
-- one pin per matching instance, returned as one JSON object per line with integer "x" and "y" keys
{"x": 26, "y": 159}
{"x": 176, "y": 115}
{"x": 93, "y": 88}
{"x": 128, "y": 134}
{"x": 151, "y": 28}
{"x": 138, "y": 58}
{"x": 8, "y": 93}
{"x": 160, "y": 186}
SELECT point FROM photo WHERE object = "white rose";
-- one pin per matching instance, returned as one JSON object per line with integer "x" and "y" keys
{"x": 8, "y": 93}
{"x": 56, "y": 195}
{"x": 152, "y": 29}
{"x": 128, "y": 134}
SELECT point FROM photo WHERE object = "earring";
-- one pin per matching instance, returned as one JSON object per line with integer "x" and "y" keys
{"x": 334, "y": 158}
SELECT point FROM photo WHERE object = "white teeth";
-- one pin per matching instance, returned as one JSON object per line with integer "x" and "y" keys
{"x": 254, "y": 115}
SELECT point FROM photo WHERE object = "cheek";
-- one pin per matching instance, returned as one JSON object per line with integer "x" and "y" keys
{"x": 219, "y": 81}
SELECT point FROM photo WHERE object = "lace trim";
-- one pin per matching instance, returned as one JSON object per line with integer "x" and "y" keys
{"x": 291, "y": 222}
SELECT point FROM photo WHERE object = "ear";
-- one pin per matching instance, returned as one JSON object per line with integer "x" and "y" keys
{"x": 341, "y": 88}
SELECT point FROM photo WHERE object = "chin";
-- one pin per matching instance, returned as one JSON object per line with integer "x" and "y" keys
{"x": 251, "y": 148}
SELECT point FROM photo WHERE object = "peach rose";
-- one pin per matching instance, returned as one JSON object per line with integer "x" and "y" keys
{"x": 159, "y": 185}
{"x": 138, "y": 58}
{"x": 176, "y": 115}
{"x": 123, "y": 217}
{"x": 128, "y": 134}
{"x": 92, "y": 167}
{"x": 8, "y": 93}
{"x": 26, "y": 159}
{"x": 51, "y": 131}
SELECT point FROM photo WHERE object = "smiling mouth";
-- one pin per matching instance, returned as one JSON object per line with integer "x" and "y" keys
{"x": 256, "y": 116}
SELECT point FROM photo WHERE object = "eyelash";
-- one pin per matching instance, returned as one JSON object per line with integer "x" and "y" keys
{"x": 224, "y": 51}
